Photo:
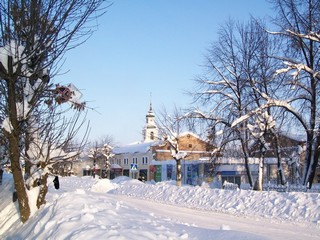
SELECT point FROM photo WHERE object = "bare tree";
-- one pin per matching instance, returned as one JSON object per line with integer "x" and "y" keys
{"x": 95, "y": 154}
{"x": 259, "y": 69}
{"x": 34, "y": 36}
{"x": 298, "y": 91}
{"x": 48, "y": 145}
{"x": 100, "y": 152}
{"x": 299, "y": 26}
{"x": 170, "y": 127}
{"x": 263, "y": 124}
{"x": 239, "y": 73}
{"x": 225, "y": 90}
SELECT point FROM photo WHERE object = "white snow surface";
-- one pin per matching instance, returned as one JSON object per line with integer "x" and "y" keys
{"x": 138, "y": 147}
{"x": 123, "y": 208}
{"x": 14, "y": 50}
{"x": 6, "y": 124}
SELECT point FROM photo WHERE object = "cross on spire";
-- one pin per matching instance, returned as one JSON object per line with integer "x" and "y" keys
{"x": 150, "y": 109}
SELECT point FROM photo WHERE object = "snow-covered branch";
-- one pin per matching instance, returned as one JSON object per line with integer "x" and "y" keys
{"x": 297, "y": 68}
{"x": 272, "y": 103}
{"x": 310, "y": 36}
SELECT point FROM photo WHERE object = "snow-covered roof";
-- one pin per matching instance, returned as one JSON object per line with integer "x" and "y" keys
{"x": 188, "y": 133}
{"x": 300, "y": 137}
{"x": 139, "y": 147}
{"x": 143, "y": 147}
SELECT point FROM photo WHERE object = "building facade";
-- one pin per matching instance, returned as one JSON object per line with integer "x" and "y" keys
{"x": 196, "y": 165}
{"x": 151, "y": 158}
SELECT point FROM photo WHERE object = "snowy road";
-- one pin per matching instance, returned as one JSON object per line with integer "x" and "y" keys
{"x": 265, "y": 229}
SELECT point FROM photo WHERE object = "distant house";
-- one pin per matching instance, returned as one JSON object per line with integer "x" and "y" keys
{"x": 134, "y": 159}
{"x": 94, "y": 163}
{"x": 190, "y": 143}
{"x": 84, "y": 166}
{"x": 196, "y": 166}
{"x": 291, "y": 151}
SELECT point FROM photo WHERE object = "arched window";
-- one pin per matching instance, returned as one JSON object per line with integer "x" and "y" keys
{"x": 152, "y": 136}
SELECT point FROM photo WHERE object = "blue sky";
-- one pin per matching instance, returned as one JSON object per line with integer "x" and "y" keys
{"x": 143, "y": 47}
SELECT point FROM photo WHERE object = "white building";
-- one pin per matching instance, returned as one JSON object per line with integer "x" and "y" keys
{"x": 135, "y": 158}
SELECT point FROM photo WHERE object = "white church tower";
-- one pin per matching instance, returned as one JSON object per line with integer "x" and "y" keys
{"x": 150, "y": 130}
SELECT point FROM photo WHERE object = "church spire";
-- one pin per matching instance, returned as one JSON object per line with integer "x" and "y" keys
{"x": 150, "y": 129}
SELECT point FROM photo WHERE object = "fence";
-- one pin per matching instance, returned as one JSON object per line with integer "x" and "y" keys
{"x": 275, "y": 187}
{"x": 291, "y": 188}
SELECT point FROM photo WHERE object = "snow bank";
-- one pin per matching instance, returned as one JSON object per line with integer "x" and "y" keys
{"x": 293, "y": 206}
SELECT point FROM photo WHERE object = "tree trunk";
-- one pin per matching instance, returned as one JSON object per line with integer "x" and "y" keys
{"x": 246, "y": 162}
{"x": 308, "y": 158}
{"x": 314, "y": 163}
{"x": 280, "y": 172}
{"x": 313, "y": 168}
{"x": 27, "y": 164}
{"x": 19, "y": 181}
{"x": 279, "y": 165}
{"x": 260, "y": 176}
{"x": 179, "y": 176}
{"x": 43, "y": 191}
{"x": 258, "y": 186}
{"x": 14, "y": 152}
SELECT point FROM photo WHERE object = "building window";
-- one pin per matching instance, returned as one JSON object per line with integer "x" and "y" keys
{"x": 144, "y": 160}
{"x": 152, "y": 136}
{"x": 126, "y": 161}
{"x": 190, "y": 145}
{"x": 135, "y": 160}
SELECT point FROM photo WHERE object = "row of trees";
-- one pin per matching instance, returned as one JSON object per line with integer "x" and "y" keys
{"x": 260, "y": 82}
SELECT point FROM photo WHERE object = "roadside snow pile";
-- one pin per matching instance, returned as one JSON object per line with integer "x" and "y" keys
{"x": 102, "y": 186}
{"x": 293, "y": 206}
